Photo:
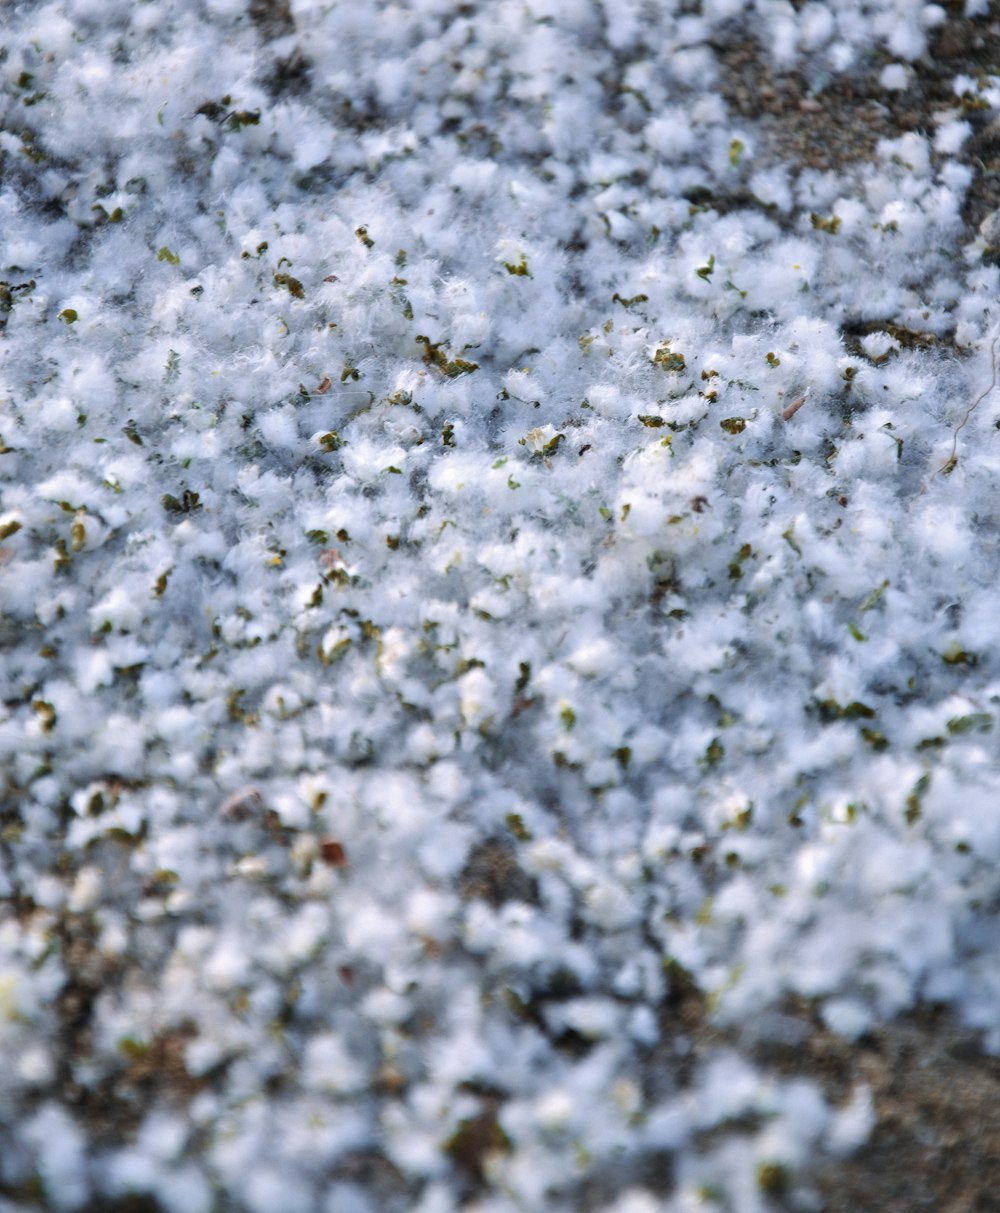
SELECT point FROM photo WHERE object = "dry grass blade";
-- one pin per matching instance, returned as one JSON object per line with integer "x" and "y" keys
{"x": 951, "y": 462}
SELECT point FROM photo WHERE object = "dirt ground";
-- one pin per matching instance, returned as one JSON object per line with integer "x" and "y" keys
{"x": 834, "y": 123}
{"x": 936, "y": 1141}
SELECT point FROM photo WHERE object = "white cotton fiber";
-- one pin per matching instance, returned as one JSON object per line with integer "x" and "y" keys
{"x": 493, "y": 538}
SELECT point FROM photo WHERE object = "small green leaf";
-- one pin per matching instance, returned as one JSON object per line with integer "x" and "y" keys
{"x": 241, "y": 118}
{"x": 773, "y": 1178}
{"x": 956, "y": 655}
{"x": 714, "y": 753}
{"x": 187, "y": 503}
{"x": 875, "y": 598}
{"x": 627, "y": 303}
{"x": 914, "y": 802}
{"x": 667, "y": 359}
{"x": 975, "y": 722}
{"x": 69, "y": 314}
{"x": 166, "y": 255}
{"x": 733, "y": 425}
{"x": 459, "y": 366}
{"x": 705, "y": 272}
{"x": 829, "y": 224}
{"x": 515, "y": 823}
{"x": 519, "y": 270}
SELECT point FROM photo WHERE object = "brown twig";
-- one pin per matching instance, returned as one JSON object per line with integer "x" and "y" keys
{"x": 951, "y": 462}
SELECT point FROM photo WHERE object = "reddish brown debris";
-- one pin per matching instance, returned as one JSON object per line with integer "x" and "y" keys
{"x": 793, "y": 408}
{"x": 333, "y": 853}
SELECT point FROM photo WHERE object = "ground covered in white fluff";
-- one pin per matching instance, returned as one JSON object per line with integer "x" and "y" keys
{"x": 430, "y": 657}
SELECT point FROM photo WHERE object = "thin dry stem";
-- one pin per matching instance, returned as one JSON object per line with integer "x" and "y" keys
{"x": 950, "y": 463}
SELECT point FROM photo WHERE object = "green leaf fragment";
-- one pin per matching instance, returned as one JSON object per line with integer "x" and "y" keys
{"x": 518, "y": 269}
{"x": 241, "y": 118}
{"x": 876, "y": 598}
{"x": 773, "y": 1179}
{"x": 825, "y": 223}
{"x": 974, "y": 722}
{"x": 188, "y": 502}
{"x": 515, "y": 823}
{"x": 714, "y": 754}
{"x": 667, "y": 359}
{"x": 956, "y": 655}
{"x": 459, "y": 366}
{"x": 706, "y": 271}
{"x": 914, "y": 802}
{"x": 830, "y": 710}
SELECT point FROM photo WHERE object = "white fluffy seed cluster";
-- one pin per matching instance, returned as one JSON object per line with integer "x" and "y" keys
{"x": 427, "y": 648}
